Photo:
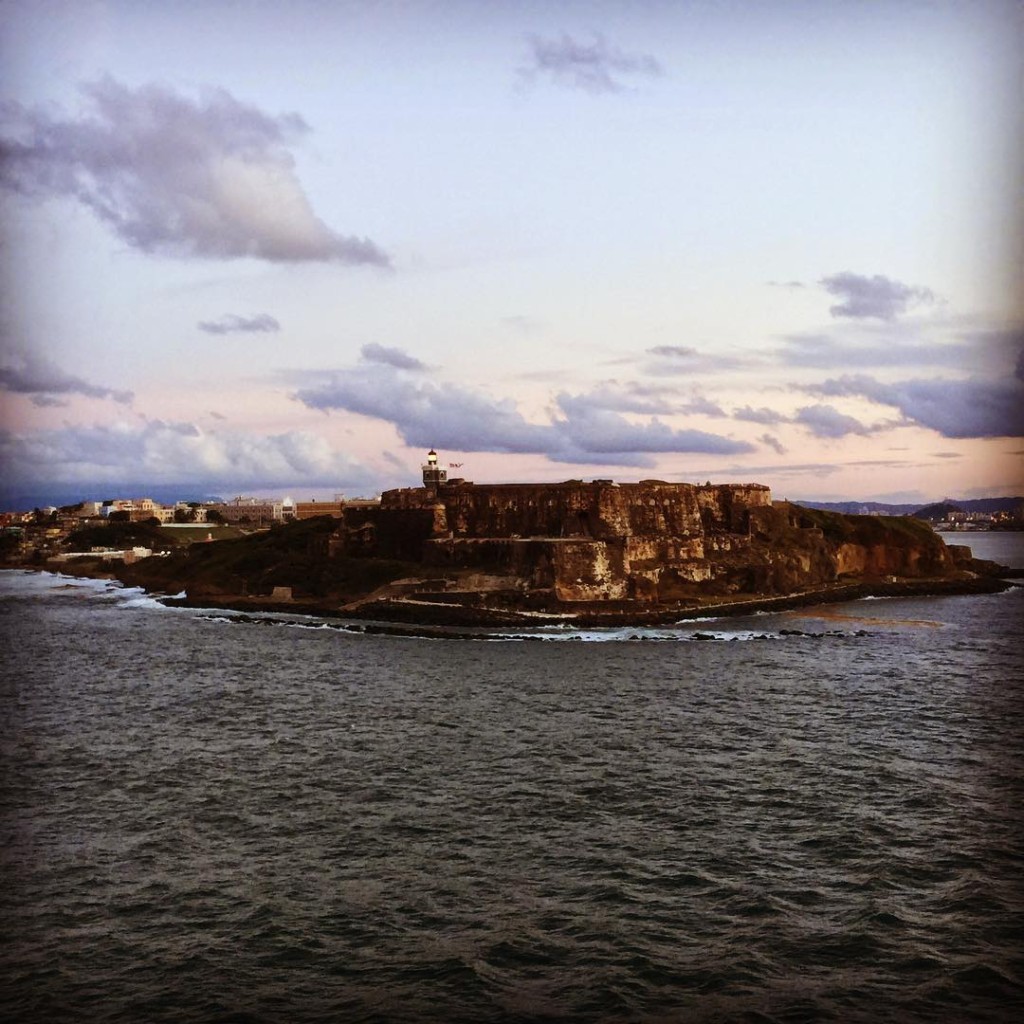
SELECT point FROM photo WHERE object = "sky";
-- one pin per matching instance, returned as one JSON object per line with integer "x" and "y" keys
{"x": 284, "y": 249}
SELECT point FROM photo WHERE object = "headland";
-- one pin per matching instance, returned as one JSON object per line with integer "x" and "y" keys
{"x": 587, "y": 553}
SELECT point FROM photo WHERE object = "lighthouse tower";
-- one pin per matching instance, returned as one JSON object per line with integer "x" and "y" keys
{"x": 433, "y": 476}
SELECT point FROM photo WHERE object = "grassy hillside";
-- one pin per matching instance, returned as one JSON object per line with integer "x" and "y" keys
{"x": 290, "y": 555}
{"x": 869, "y": 530}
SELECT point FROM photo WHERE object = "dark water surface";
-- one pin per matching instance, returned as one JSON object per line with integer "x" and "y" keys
{"x": 800, "y": 817}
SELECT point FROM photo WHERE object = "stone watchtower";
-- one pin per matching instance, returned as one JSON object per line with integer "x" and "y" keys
{"x": 433, "y": 476}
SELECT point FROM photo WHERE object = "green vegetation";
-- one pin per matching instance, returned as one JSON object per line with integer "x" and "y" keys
{"x": 295, "y": 555}
{"x": 838, "y": 528}
{"x": 121, "y": 534}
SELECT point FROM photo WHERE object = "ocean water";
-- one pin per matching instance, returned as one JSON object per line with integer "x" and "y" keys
{"x": 808, "y": 816}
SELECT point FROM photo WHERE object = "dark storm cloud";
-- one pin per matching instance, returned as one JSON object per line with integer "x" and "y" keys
{"x": 878, "y": 296}
{"x": 374, "y": 353}
{"x": 594, "y": 67}
{"x": 25, "y": 373}
{"x": 584, "y": 428}
{"x": 212, "y": 177}
{"x": 954, "y": 408}
{"x": 261, "y": 323}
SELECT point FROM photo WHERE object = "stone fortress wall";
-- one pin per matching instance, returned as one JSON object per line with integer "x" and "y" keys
{"x": 582, "y": 541}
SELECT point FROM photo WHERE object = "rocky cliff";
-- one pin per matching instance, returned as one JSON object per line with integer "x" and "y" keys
{"x": 587, "y": 549}
{"x": 648, "y": 543}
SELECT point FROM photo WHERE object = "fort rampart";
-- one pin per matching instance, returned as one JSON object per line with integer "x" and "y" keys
{"x": 584, "y": 541}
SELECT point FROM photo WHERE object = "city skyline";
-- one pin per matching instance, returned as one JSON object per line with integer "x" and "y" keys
{"x": 258, "y": 250}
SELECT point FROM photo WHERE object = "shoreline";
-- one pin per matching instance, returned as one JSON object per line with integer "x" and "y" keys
{"x": 438, "y": 615}
{"x": 410, "y": 617}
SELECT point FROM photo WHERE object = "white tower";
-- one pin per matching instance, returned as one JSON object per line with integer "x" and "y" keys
{"x": 433, "y": 476}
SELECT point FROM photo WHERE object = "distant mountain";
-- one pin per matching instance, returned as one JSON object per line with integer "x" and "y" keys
{"x": 861, "y": 508}
{"x": 988, "y": 505}
{"x": 166, "y": 494}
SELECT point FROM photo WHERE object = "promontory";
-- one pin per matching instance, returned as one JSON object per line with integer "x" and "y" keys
{"x": 595, "y": 552}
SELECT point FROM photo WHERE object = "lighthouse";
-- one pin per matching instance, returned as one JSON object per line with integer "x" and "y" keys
{"x": 433, "y": 475}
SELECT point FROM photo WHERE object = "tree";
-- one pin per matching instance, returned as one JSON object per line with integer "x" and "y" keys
{"x": 120, "y": 516}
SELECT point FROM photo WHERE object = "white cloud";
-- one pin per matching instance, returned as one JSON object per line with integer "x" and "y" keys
{"x": 27, "y": 373}
{"x": 230, "y": 323}
{"x": 954, "y": 408}
{"x": 160, "y": 452}
{"x": 212, "y": 177}
{"x": 877, "y": 296}
{"x": 374, "y": 353}
{"x": 594, "y": 67}
{"x": 586, "y": 428}
{"x": 824, "y": 421}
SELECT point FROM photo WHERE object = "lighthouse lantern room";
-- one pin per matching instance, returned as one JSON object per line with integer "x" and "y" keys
{"x": 433, "y": 476}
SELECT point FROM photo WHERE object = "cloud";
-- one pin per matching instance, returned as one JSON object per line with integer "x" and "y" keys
{"x": 772, "y": 442}
{"x": 701, "y": 406}
{"x": 212, "y": 177}
{"x": 824, "y": 421}
{"x": 582, "y": 429}
{"x": 260, "y": 323}
{"x": 764, "y": 416}
{"x": 634, "y": 398}
{"x": 395, "y": 357}
{"x": 877, "y": 296}
{"x": 954, "y": 408}
{"x": 827, "y": 352}
{"x": 786, "y": 284}
{"x": 427, "y": 414}
{"x": 521, "y": 324}
{"x": 650, "y": 400}
{"x": 595, "y": 67}
{"x": 26, "y": 373}
{"x": 673, "y": 351}
{"x": 175, "y": 452}
{"x": 672, "y": 360}
{"x": 596, "y": 430}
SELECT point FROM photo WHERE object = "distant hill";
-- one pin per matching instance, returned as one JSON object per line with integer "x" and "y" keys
{"x": 860, "y": 508}
{"x": 12, "y": 500}
{"x": 937, "y": 511}
{"x": 988, "y": 505}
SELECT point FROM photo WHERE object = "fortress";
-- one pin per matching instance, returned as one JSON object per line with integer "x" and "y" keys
{"x": 455, "y": 553}
{"x": 650, "y": 542}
